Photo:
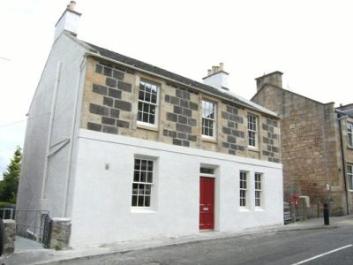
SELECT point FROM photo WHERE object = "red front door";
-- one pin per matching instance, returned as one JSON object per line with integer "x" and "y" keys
{"x": 206, "y": 203}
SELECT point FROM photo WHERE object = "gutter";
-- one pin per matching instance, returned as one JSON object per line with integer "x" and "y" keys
{"x": 342, "y": 115}
{"x": 175, "y": 81}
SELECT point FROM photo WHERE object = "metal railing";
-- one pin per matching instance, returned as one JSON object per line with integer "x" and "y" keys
{"x": 7, "y": 213}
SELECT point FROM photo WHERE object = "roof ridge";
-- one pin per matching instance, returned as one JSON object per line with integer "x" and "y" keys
{"x": 154, "y": 66}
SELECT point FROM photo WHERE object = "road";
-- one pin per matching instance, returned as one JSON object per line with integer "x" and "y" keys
{"x": 310, "y": 247}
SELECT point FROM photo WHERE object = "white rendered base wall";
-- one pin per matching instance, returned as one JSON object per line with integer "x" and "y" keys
{"x": 102, "y": 211}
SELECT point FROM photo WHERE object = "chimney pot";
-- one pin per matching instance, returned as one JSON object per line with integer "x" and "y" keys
{"x": 68, "y": 21}
{"x": 71, "y": 6}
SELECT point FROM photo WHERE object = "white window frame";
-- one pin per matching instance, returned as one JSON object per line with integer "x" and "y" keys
{"x": 156, "y": 105}
{"x": 350, "y": 176}
{"x": 350, "y": 134}
{"x": 214, "y": 120}
{"x": 252, "y": 130}
{"x": 145, "y": 183}
{"x": 244, "y": 189}
{"x": 258, "y": 191}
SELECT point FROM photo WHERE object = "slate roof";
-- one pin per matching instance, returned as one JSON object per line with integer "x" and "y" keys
{"x": 185, "y": 81}
{"x": 346, "y": 109}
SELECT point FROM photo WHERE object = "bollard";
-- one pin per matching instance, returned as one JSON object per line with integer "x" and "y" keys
{"x": 326, "y": 214}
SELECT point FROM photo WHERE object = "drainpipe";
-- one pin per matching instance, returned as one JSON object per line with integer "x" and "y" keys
{"x": 342, "y": 115}
{"x": 74, "y": 133}
{"x": 50, "y": 130}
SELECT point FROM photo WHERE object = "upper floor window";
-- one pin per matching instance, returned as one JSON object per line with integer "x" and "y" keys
{"x": 350, "y": 134}
{"x": 350, "y": 176}
{"x": 148, "y": 103}
{"x": 258, "y": 189}
{"x": 208, "y": 118}
{"x": 252, "y": 130}
{"x": 243, "y": 188}
{"x": 142, "y": 183}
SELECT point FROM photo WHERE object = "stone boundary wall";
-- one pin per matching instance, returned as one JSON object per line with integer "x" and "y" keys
{"x": 60, "y": 233}
{"x": 9, "y": 237}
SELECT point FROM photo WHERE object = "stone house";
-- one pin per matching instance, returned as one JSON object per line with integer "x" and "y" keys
{"x": 126, "y": 150}
{"x": 316, "y": 145}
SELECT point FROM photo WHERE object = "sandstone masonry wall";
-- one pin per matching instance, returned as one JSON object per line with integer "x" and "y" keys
{"x": 9, "y": 236}
{"x": 348, "y": 155}
{"x": 309, "y": 144}
{"x": 110, "y": 106}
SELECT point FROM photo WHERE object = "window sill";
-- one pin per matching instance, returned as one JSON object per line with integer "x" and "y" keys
{"x": 259, "y": 209}
{"x": 252, "y": 148}
{"x": 244, "y": 209}
{"x": 350, "y": 190}
{"x": 147, "y": 126}
{"x": 142, "y": 210}
{"x": 350, "y": 147}
{"x": 209, "y": 139}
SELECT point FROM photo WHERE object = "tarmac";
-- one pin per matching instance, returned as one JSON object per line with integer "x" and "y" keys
{"x": 30, "y": 252}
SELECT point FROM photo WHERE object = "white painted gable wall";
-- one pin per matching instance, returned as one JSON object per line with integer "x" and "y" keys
{"x": 44, "y": 177}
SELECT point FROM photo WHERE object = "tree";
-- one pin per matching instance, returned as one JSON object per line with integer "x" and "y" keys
{"x": 9, "y": 185}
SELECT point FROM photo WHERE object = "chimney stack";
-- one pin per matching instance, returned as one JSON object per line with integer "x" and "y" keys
{"x": 274, "y": 78}
{"x": 71, "y": 6}
{"x": 68, "y": 21}
{"x": 217, "y": 77}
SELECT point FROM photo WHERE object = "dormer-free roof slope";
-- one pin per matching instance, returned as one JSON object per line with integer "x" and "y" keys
{"x": 146, "y": 67}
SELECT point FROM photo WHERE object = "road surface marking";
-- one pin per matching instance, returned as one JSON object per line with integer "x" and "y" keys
{"x": 323, "y": 254}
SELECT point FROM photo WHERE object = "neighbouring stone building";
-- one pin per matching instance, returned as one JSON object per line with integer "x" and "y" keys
{"x": 131, "y": 151}
{"x": 316, "y": 145}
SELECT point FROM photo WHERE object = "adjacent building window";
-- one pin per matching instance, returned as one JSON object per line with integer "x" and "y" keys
{"x": 142, "y": 183}
{"x": 243, "y": 188}
{"x": 350, "y": 176}
{"x": 258, "y": 189}
{"x": 208, "y": 118}
{"x": 350, "y": 134}
{"x": 252, "y": 130}
{"x": 147, "y": 103}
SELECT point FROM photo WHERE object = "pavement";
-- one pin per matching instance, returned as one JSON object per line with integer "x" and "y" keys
{"x": 30, "y": 253}
{"x": 23, "y": 244}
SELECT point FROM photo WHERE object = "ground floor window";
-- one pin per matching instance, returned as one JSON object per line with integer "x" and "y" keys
{"x": 243, "y": 188}
{"x": 258, "y": 189}
{"x": 350, "y": 176}
{"x": 142, "y": 183}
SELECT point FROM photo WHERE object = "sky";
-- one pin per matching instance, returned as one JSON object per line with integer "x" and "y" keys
{"x": 311, "y": 42}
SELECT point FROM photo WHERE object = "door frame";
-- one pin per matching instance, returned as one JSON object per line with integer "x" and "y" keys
{"x": 216, "y": 197}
